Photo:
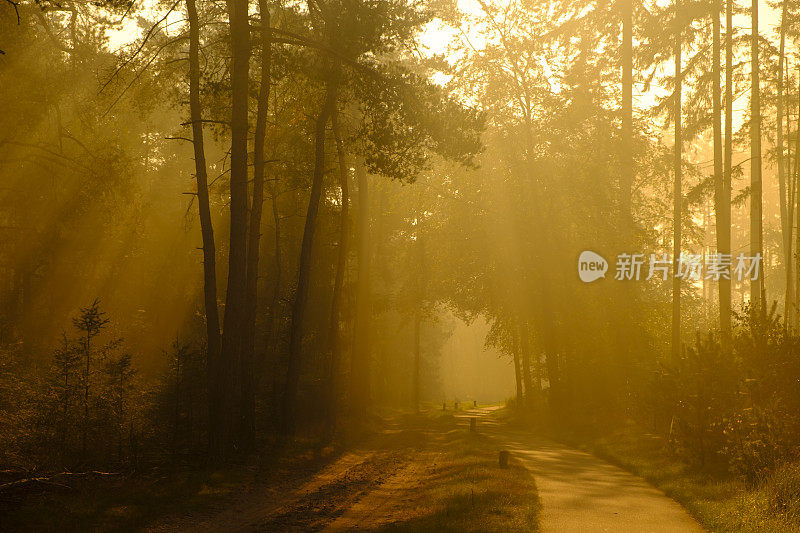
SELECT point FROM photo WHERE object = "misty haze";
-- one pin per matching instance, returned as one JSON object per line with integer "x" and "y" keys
{"x": 400, "y": 265}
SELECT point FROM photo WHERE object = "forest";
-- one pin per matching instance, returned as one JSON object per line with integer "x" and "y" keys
{"x": 244, "y": 243}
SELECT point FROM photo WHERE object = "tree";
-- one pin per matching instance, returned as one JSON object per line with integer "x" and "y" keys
{"x": 784, "y": 200}
{"x": 214, "y": 360}
{"x": 677, "y": 196}
{"x": 723, "y": 211}
{"x": 626, "y": 181}
{"x": 67, "y": 363}
{"x": 405, "y": 119}
{"x": 246, "y": 368}
{"x": 234, "y": 328}
{"x": 757, "y": 296}
{"x": 334, "y": 328}
{"x": 119, "y": 376}
{"x": 301, "y": 297}
{"x": 719, "y": 180}
{"x": 90, "y": 323}
{"x": 360, "y": 357}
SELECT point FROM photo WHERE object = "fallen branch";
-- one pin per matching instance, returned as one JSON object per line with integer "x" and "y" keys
{"x": 51, "y": 480}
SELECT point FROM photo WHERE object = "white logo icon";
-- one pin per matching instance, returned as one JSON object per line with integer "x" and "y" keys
{"x": 591, "y": 266}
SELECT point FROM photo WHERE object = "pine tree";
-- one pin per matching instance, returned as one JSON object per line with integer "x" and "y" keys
{"x": 90, "y": 323}
{"x": 119, "y": 374}
{"x": 66, "y": 385}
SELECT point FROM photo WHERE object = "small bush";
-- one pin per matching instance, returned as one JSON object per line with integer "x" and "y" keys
{"x": 782, "y": 488}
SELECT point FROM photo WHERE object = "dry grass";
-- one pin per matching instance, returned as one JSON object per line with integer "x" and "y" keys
{"x": 469, "y": 491}
{"x": 445, "y": 479}
{"x": 721, "y": 503}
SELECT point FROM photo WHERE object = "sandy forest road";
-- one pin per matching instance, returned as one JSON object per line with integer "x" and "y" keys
{"x": 364, "y": 489}
{"x": 581, "y": 493}
{"x": 384, "y": 482}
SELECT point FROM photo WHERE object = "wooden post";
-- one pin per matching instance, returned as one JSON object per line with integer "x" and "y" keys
{"x": 473, "y": 421}
{"x": 444, "y": 406}
{"x": 503, "y": 459}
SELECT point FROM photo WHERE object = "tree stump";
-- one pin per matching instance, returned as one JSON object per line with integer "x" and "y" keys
{"x": 503, "y": 459}
{"x": 472, "y": 424}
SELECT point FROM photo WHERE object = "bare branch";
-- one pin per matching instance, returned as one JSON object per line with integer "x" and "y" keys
{"x": 140, "y": 47}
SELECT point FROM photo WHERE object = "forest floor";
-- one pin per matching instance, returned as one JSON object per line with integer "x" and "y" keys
{"x": 423, "y": 472}
{"x": 430, "y": 473}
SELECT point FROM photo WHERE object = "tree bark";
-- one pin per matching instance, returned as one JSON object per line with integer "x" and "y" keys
{"x": 334, "y": 342}
{"x": 525, "y": 349}
{"x": 517, "y": 366}
{"x": 418, "y": 314}
{"x": 213, "y": 361}
{"x": 359, "y": 363}
{"x": 757, "y": 296}
{"x": 723, "y": 213}
{"x": 779, "y": 132}
{"x": 786, "y": 218}
{"x": 246, "y": 369}
{"x": 288, "y": 410}
{"x": 417, "y": 355}
{"x": 721, "y": 194}
{"x": 677, "y": 196}
{"x": 796, "y": 189}
{"x": 233, "y": 330}
{"x": 626, "y": 181}
{"x": 275, "y": 307}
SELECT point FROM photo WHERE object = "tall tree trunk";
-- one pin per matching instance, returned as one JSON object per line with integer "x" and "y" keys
{"x": 626, "y": 181}
{"x": 717, "y": 107}
{"x": 417, "y": 356}
{"x": 214, "y": 363}
{"x": 757, "y": 296}
{"x": 233, "y": 330}
{"x": 525, "y": 348}
{"x": 720, "y": 201}
{"x": 724, "y": 209}
{"x": 785, "y": 222}
{"x": 360, "y": 363}
{"x": 86, "y": 386}
{"x": 517, "y": 366}
{"x": 677, "y": 196}
{"x": 274, "y": 308}
{"x": 796, "y": 203}
{"x": 246, "y": 368}
{"x": 288, "y": 410}
{"x": 334, "y": 328}
{"x": 418, "y": 314}
{"x": 785, "y": 196}
{"x": 790, "y": 263}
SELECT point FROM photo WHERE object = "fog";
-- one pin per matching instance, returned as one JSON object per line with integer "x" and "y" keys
{"x": 228, "y": 229}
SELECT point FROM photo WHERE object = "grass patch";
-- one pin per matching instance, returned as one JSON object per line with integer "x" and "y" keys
{"x": 468, "y": 491}
{"x": 131, "y": 503}
{"x": 456, "y": 485}
{"x": 720, "y": 502}
{"x": 125, "y": 504}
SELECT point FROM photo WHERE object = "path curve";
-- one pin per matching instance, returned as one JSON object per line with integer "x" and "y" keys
{"x": 580, "y": 493}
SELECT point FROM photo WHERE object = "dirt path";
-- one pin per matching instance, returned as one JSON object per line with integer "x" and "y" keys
{"x": 362, "y": 489}
{"x": 389, "y": 502}
{"x": 387, "y": 482}
{"x": 581, "y": 493}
